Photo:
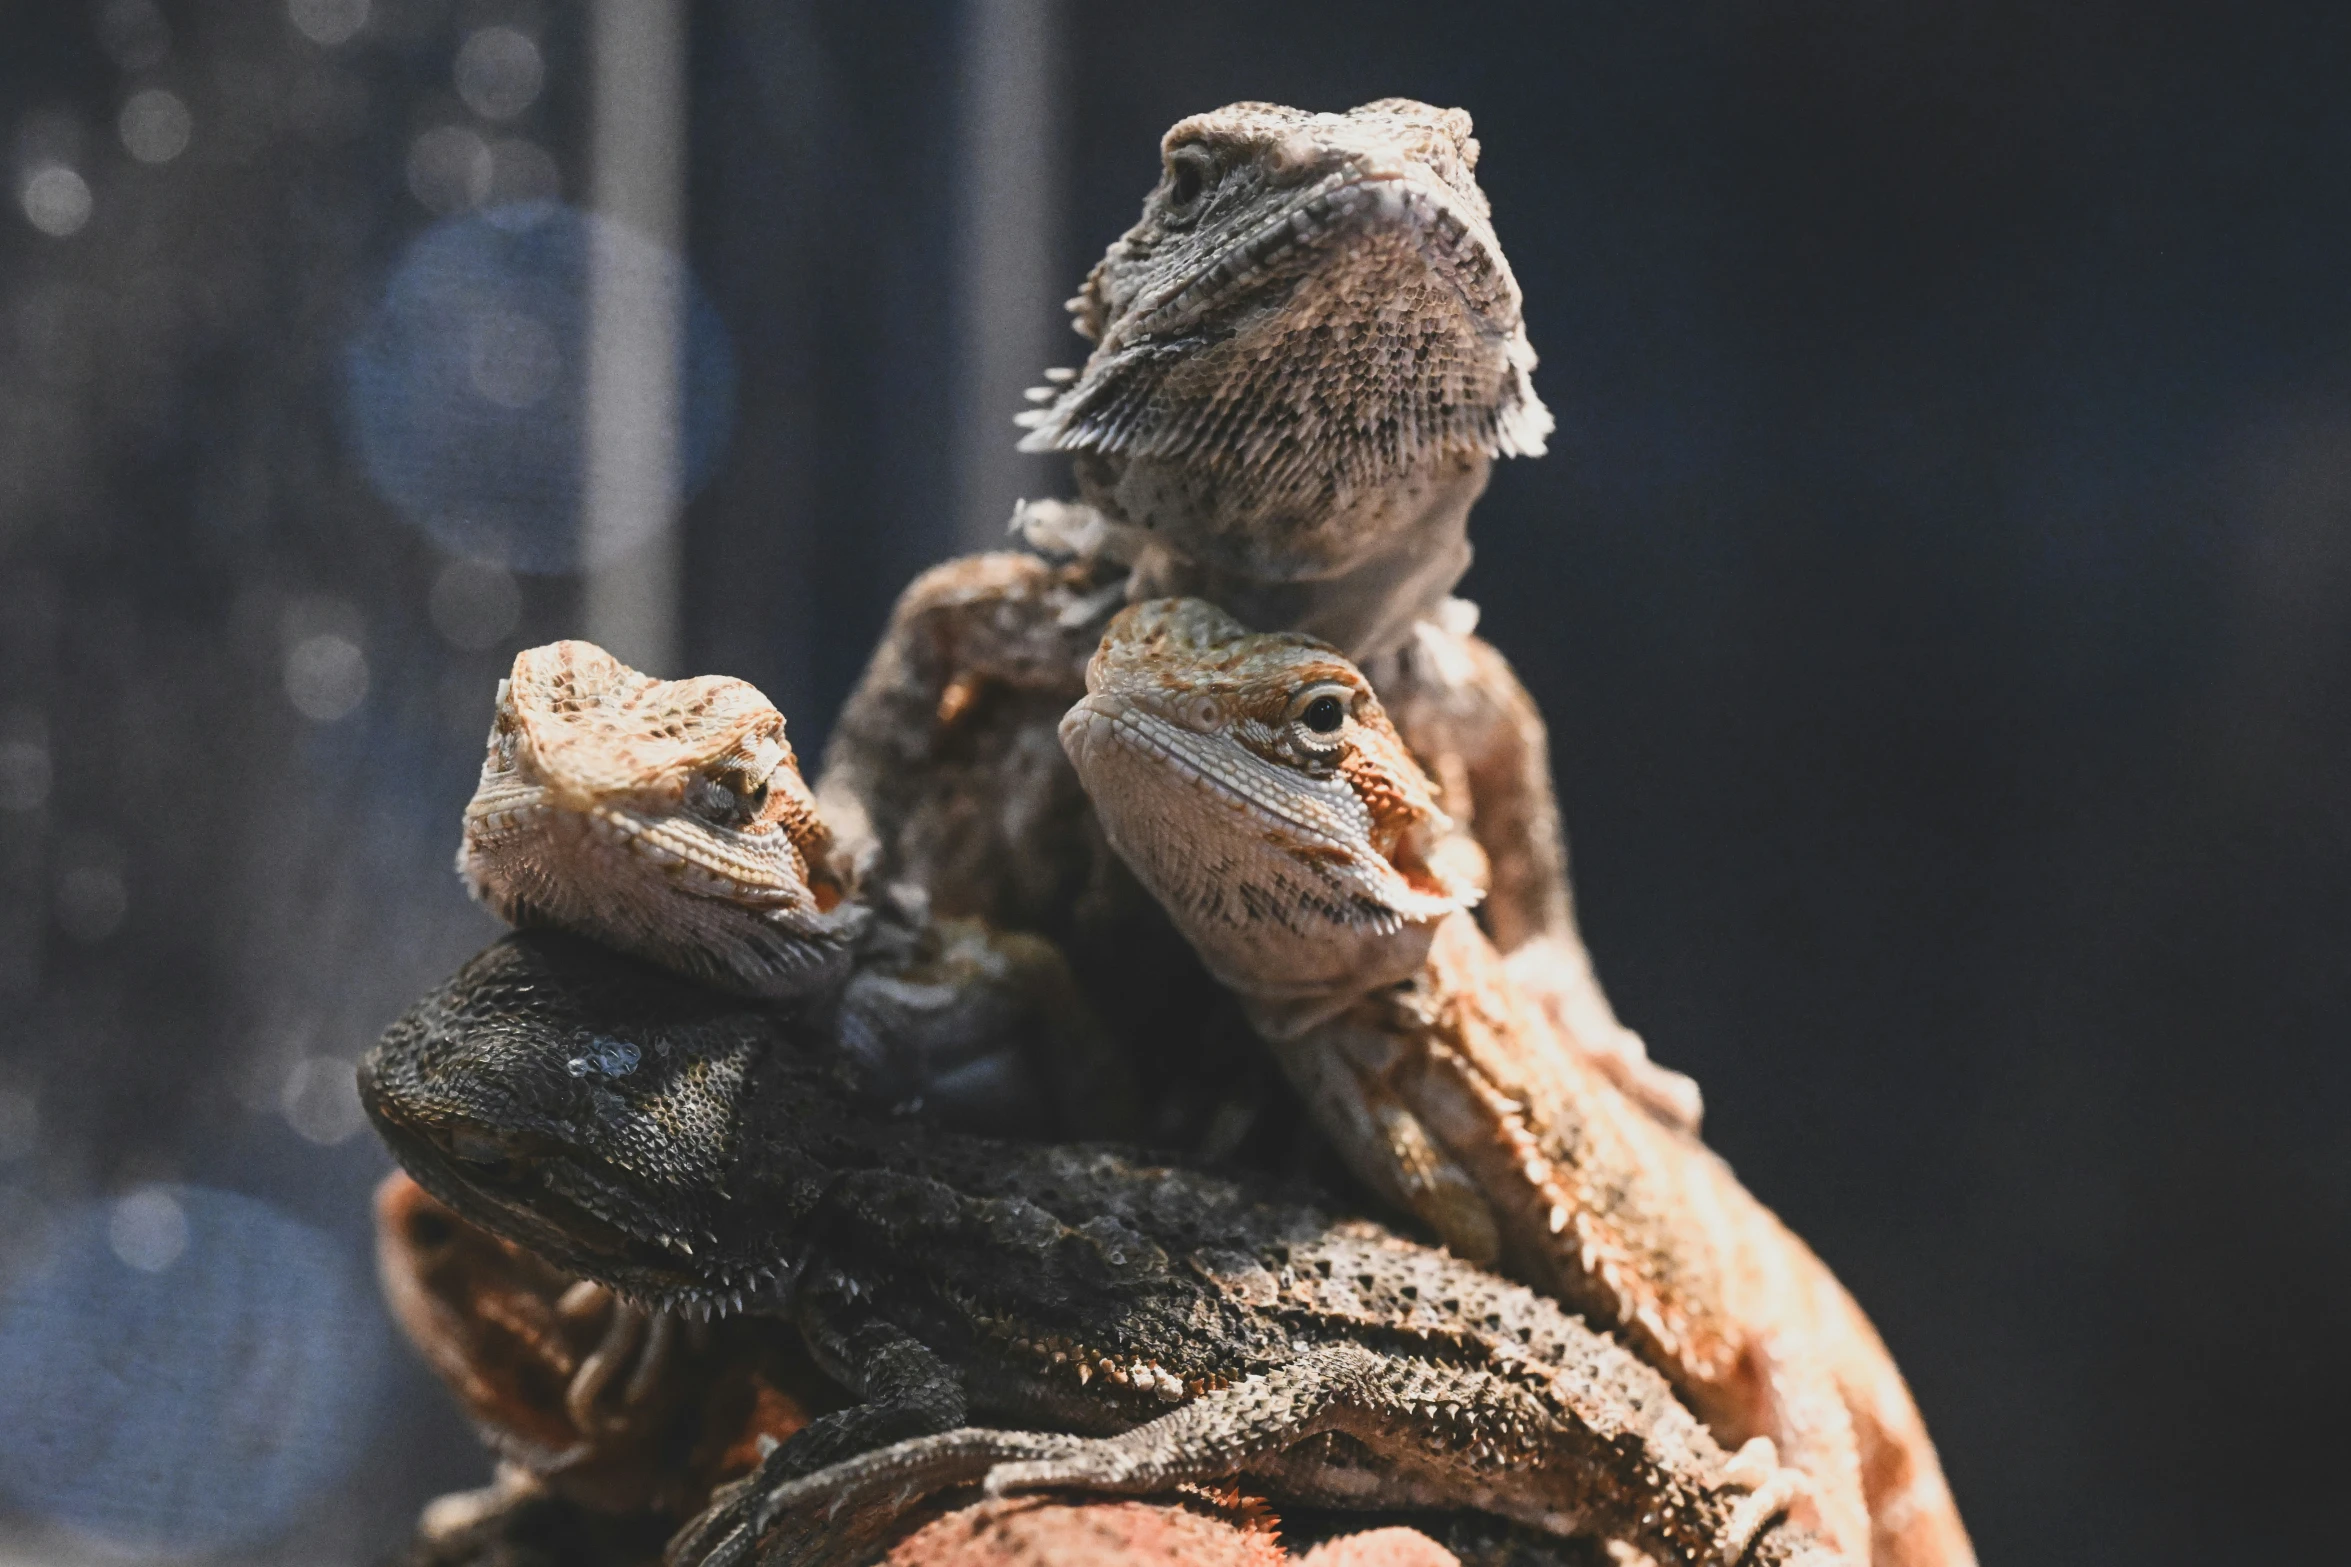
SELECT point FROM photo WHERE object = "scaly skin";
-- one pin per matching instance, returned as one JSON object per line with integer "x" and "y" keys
{"x": 1195, "y": 1328}
{"x": 1255, "y": 784}
{"x": 1308, "y": 352}
{"x": 583, "y": 1396}
{"x": 637, "y": 1443}
{"x": 666, "y": 818}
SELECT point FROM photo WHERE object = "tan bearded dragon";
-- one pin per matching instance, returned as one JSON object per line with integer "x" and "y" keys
{"x": 668, "y": 819}
{"x": 1307, "y": 354}
{"x": 1257, "y": 787}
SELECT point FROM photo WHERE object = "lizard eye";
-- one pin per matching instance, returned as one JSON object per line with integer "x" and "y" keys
{"x": 730, "y": 797}
{"x": 1191, "y": 169}
{"x": 504, "y": 738}
{"x": 1320, "y": 712}
{"x": 482, "y": 1155}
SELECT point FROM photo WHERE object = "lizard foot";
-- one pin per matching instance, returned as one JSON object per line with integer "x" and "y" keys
{"x": 1772, "y": 1489}
{"x": 837, "y": 1513}
{"x": 634, "y": 1355}
{"x": 1209, "y": 1439}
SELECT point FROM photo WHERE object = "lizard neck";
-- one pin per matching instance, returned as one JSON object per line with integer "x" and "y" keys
{"x": 1358, "y": 577}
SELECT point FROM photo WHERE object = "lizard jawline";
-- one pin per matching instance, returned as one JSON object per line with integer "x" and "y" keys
{"x": 566, "y": 1231}
{"x": 653, "y": 885}
{"x": 1453, "y": 246}
{"x": 1316, "y": 918}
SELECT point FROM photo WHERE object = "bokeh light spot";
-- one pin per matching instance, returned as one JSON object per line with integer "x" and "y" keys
{"x": 522, "y": 171}
{"x": 148, "y": 1229}
{"x": 449, "y": 169}
{"x": 56, "y": 200}
{"x": 328, "y": 22}
{"x": 511, "y": 359}
{"x": 320, "y": 1100}
{"x": 154, "y": 125}
{"x": 196, "y": 1406}
{"x": 326, "y": 676}
{"x": 474, "y": 604}
{"x": 438, "y": 376}
{"x": 499, "y": 72}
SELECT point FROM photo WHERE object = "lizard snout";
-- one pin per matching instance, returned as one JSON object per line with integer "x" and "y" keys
{"x": 1088, "y": 724}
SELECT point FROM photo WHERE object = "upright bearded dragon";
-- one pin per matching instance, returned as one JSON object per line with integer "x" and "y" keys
{"x": 694, "y": 1152}
{"x": 1257, "y": 787}
{"x": 1306, "y": 356}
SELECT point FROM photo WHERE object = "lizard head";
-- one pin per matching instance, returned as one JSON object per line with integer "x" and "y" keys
{"x": 592, "y": 1110}
{"x": 1312, "y": 311}
{"x": 666, "y": 818}
{"x": 1254, "y": 784}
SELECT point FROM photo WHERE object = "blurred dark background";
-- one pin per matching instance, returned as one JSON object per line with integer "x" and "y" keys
{"x": 1939, "y": 587}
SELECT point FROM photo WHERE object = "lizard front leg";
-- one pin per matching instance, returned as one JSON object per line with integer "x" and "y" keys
{"x": 1455, "y": 1436}
{"x": 1388, "y": 1148}
{"x": 908, "y": 1391}
{"x": 838, "y": 1513}
{"x": 1465, "y": 714}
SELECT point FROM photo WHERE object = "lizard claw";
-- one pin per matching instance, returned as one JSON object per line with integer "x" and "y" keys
{"x": 1756, "y": 1463}
{"x": 1772, "y": 1490}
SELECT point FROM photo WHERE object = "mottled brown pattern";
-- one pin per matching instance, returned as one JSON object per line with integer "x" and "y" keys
{"x": 582, "y": 1396}
{"x": 1376, "y": 348}
{"x": 1603, "y": 1206}
{"x": 666, "y": 818}
{"x": 1192, "y": 1329}
{"x": 1312, "y": 309}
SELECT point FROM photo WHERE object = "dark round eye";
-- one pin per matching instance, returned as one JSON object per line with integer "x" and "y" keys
{"x": 729, "y": 798}
{"x": 1188, "y": 170}
{"x": 1324, "y": 715}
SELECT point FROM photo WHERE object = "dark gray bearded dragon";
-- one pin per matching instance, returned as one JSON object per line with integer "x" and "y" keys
{"x": 695, "y": 1152}
{"x": 1307, "y": 354}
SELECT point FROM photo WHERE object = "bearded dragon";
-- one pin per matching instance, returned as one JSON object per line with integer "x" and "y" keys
{"x": 613, "y": 1425}
{"x": 1307, "y": 354}
{"x": 668, "y": 819}
{"x": 584, "y": 1397}
{"x": 1256, "y": 785}
{"x": 698, "y": 1154}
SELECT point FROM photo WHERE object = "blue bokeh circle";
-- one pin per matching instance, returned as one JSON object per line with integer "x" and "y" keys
{"x": 195, "y": 1409}
{"x": 466, "y": 383}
